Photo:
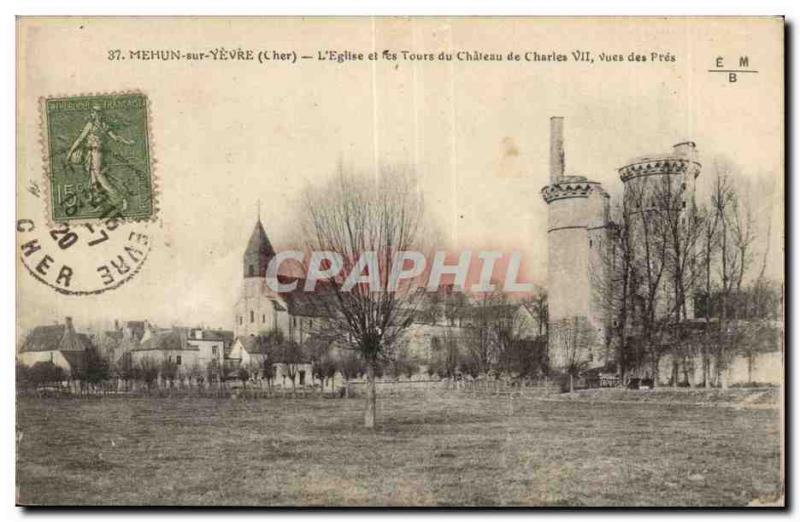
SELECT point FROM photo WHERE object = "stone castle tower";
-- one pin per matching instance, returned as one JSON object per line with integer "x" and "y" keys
{"x": 257, "y": 307}
{"x": 578, "y": 241}
{"x": 660, "y": 182}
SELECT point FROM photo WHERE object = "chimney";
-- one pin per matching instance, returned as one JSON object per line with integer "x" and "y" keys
{"x": 69, "y": 324}
{"x": 556, "y": 148}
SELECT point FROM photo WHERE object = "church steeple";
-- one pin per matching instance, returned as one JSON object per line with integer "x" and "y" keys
{"x": 259, "y": 252}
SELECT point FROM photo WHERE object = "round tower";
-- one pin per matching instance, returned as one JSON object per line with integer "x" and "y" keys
{"x": 577, "y": 239}
{"x": 659, "y": 191}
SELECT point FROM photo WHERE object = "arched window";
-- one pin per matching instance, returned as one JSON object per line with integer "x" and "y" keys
{"x": 252, "y": 317}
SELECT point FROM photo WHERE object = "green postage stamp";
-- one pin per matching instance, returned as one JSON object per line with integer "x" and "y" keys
{"x": 98, "y": 157}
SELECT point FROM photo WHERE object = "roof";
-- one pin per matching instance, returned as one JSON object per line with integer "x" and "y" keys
{"x": 218, "y": 335}
{"x": 492, "y": 312}
{"x": 44, "y": 338}
{"x": 55, "y": 338}
{"x": 136, "y": 328}
{"x": 113, "y": 334}
{"x": 257, "y": 344}
{"x": 259, "y": 242}
{"x": 173, "y": 339}
{"x": 252, "y": 345}
{"x": 319, "y": 303}
{"x": 258, "y": 253}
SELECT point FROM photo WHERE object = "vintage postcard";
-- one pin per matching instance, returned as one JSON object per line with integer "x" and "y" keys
{"x": 400, "y": 262}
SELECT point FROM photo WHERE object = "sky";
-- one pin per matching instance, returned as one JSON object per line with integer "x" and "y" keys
{"x": 227, "y": 135}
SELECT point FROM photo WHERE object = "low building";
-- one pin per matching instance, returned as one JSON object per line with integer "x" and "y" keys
{"x": 213, "y": 345}
{"x": 58, "y": 344}
{"x": 192, "y": 350}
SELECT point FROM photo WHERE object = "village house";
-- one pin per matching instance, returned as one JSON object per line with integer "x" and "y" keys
{"x": 58, "y": 344}
{"x": 251, "y": 353}
{"x": 190, "y": 349}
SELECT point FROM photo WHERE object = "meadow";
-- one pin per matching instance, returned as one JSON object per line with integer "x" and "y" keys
{"x": 441, "y": 448}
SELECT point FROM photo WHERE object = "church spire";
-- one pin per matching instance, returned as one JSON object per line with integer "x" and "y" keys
{"x": 259, "y": 250}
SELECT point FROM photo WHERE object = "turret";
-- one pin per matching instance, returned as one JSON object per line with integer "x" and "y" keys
{"x": 577, "y": 229}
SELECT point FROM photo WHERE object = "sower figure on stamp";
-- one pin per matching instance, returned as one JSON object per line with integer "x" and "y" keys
{"x": 88, "y": 149}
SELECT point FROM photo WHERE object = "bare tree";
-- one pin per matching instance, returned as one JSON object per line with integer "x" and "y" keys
{"x": 710, "y": 245}
{"x": 572, "y": 338}
{"x": 736, "y": 236}
{"x": 540, "y": 311}
{"x": 365, "y": 215}
{"x": 446, "y": 357}
{"x": 648, "y": 239}
{"x": 614, "y": 283}
{"x": 490, "y": 323}
{"x": 351, "y": 367}
{"x": 292, "y": 357}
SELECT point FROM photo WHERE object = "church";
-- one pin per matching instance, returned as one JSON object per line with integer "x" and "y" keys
{"x": 300, "y": 320}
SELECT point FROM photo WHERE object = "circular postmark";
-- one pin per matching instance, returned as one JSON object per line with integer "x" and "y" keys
{"x": 83, "y": 259}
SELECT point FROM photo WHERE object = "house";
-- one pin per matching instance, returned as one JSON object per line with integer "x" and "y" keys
{"x": 166, "y": 345}
{"x": 213, "y": 345}
{"x": 250, "y": 353}
{"x": 58, "y": 344}
{"x": 116, "y": 344}
{"x": 190, "y": 349}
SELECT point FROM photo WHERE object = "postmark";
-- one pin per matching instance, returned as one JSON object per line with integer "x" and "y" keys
{"x": 97, "y": 158}
{"x": 82, "y": 259}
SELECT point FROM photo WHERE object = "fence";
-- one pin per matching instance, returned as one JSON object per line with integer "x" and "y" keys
{"x": 262, "y": 390}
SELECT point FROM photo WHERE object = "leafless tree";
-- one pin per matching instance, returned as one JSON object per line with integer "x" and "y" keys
{"x": 353, "y": 215}
{"x": 572, "y": 338}
{"x": 735, "y": 257}
{"x": 648, "y": 238}
{"x": 613, "y": 281}
{"x": 710, "y": 245}
{"x": 292, "y": 358}
{"x": 540, "y": 311}
{"x": 489, "y": 323}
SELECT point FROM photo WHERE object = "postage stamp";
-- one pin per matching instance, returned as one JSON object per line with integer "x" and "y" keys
{"x": 99, "y": 163}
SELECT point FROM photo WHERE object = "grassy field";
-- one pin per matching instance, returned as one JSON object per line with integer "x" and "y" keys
{"x": 445, "y": 449}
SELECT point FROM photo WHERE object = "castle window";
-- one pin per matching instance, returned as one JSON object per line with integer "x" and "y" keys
{"x": 252, "y": 317}
{"x": 178, "y": 360}
{"x": 251, "y": 271}
{"x": 239, "y": 318}
{"x": 590, "y": 243}
{"x": 263, "y": 318}
{"x": 684, "y": 204}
